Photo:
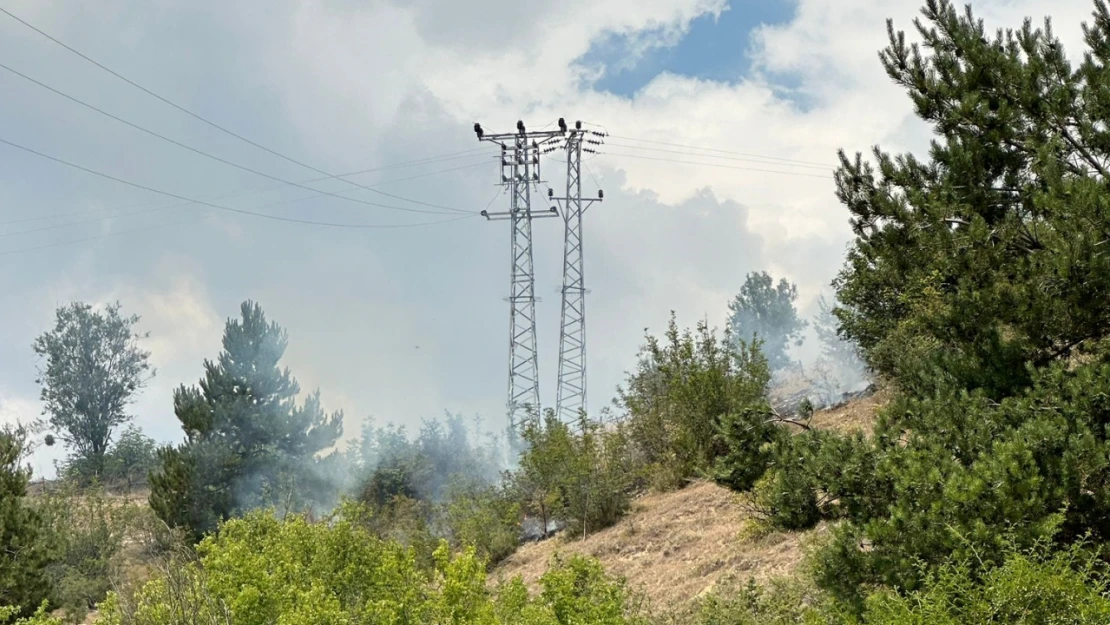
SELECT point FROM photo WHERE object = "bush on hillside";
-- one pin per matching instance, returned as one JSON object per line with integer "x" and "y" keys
{"x": 1039, "y": 586}
{"x": 573, "y": 590}
{"x": 961, "y": 474}
{"x": 39, "y": 617}
{"x": 689, "y": 394}
{"x": 25, "y": 550}
{"x": 88, "y": 530}
{"x": 484, "y": 517}
{"x": 260, "y": 569}
{"x": 782, "y": 601}
{"x": 581, "y": 478}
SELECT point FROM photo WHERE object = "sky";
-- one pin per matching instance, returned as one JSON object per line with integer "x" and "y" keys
{"x": 403, "y": 323}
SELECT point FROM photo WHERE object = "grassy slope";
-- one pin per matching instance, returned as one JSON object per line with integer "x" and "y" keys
{"x": 676, "y": 546}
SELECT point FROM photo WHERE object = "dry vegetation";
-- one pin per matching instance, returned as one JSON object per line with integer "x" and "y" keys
{"x": 676, "y": 546}
{"x": 672, "y": 546}
{"x": 852, "y": 416}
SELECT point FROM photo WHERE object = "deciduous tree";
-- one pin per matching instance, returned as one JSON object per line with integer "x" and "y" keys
{"x": 93, "y": 368}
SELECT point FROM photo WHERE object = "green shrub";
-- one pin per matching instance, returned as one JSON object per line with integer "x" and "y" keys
{"x": 484, "y": 517}
{"x": 584, "y": 478}
{"x": 1034, "y": 587}
{"x": 677, "y": 402}
{"x": 783, "y": 601}
{"x": 259, "y": 570}
{"x": 38, "y": 617}
{"x": 959, "y": 473}
{"x": 25, "y": 549}
{"x": 573, "y": 591}
{"x": 88, "y": 530}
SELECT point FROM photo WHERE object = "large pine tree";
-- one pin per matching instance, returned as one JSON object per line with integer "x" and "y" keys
{"x": 992, "y": 252}
{"x": 248, "y": 443}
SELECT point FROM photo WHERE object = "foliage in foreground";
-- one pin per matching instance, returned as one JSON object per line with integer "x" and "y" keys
{"x": 86, "y": 530}
{"x": 38, "y": 617}
{"x": 259, "y": 569}
{"x": 1037, "y": 587}
{"x": 23, "y": 552}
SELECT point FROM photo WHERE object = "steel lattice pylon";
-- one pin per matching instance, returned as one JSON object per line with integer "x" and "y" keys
{"x": 571, "y": 397}
{"x": 520, "y": 169}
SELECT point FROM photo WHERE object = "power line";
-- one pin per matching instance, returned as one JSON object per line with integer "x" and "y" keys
{"x": 767, "y": 160}
{"x": 768, "y": 171}
{"x": 695, "y": 147}
{"x": 101, "y": 236}
{"x": 200, "y": 117}
{"x": 190, "y": 220}
{"x": 219, "y": 159}
{"x": 218, "y": 206}
{"x": 426, "y": 160}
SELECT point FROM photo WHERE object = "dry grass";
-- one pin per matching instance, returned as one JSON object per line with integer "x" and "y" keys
{"x": 677, "y": 546}
{"x": 853, "y": 416}
{"x": 672, "y": 547}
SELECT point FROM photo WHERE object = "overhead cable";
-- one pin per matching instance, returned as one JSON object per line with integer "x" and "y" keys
{"x": 197, "y": 116}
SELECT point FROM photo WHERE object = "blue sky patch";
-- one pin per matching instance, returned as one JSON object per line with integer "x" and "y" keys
{"x": 714, "y": 48}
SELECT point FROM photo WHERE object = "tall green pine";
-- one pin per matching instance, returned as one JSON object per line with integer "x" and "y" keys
{"x": 247, "y": 441}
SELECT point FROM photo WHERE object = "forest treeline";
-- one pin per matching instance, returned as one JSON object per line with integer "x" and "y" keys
{"x": 971, "y": 291}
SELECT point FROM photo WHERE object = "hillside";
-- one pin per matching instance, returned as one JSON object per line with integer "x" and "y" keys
{"x": 676, "y": 546}
{"x": 672, "y": 546}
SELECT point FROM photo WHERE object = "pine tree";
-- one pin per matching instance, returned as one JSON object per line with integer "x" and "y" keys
{"x": 765, "y": 311}
{"x": 248, "y": 443}
{"x": 24, "y": 554}
{"x": 989, "y": 254}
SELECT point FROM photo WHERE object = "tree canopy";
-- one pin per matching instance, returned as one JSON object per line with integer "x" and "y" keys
{"x": 94, "y": 366}
{"x": 765, "y": 311}
{"x": 248, "y": 441}
{"x": 987, "y": 256}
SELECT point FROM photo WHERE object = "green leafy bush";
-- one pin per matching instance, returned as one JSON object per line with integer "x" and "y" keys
{"x": 694, "y": 398}
{"x": 574, "y": 591}
{"x": 38, "y": 617}
{"x": 783, "y": 601}
{"x": 25, "y": 550}
{"x": 1035, "y": 587}
{"x": 582, "y": 478}
{"x": 259, "y": 570}
{"x": 484, "y": 517}
{"x": 88, "y": 531}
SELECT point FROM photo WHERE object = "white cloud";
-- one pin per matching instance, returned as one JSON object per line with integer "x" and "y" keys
{"x": 351, "y": 85}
